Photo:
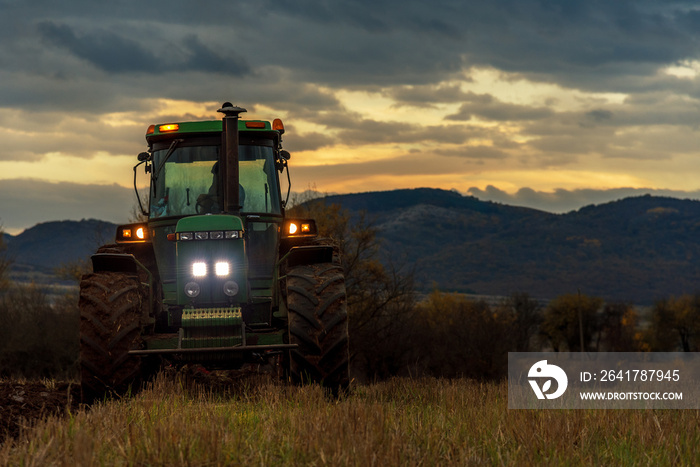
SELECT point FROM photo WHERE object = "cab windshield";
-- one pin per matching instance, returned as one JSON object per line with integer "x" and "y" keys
{"x": 186, "y": 183}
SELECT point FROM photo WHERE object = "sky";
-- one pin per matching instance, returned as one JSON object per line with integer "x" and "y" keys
{"x": 547, "y": 104}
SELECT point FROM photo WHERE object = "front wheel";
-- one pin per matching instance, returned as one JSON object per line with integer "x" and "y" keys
{"x": 110, "y": 307}
{"x": 318, "y": 324}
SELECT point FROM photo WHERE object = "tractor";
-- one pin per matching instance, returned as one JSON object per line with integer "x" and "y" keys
{"x": 216, "y": 275}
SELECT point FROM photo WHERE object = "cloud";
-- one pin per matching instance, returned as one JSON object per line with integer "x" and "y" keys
{"x": 308, "y": 141}
{"x": 477, "y": 152}
{"x": 29, "y": 136}
{"x": 486, "y": 107}
{"x": 203, "y": 59}
{"x": 113, "y": 53}
{"x": 585, "y": 44}
{"x": 561, "y": 200}
{"x": 426, "y": 95}
{"x": 104, "y": 49}
{"x": 369, "y": 131}
{"x": 400, "y": 51}
{"x": 580, "y": 84}
{"x": 26, "y": 202}
{"x": 416, "y": 165}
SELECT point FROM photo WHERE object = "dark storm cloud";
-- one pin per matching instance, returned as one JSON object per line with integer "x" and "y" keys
{"x": 406, "y": 48}
{"x": 384, "y": 42}
{"x": 104, "y": 49}
{"x": 202, "y": 58}
{"x": 580, "y": 42}
{"x": 580, "y": 39}
{"x": 113, "y": 53}
{"x": 377, "y": 17}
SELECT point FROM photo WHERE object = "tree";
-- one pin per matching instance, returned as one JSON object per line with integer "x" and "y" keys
{"x": 676, "y": 324}
{"x": 618, "y": 329}
{"x": 522, "y": 315}
{"x": 562, "y": 318}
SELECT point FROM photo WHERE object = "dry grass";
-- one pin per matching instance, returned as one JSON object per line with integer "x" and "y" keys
{"x": 399, "y": 422}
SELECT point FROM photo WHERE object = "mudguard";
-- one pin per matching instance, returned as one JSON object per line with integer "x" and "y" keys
{"x": 114, "y": 262}
{"x": 309, "y": 254}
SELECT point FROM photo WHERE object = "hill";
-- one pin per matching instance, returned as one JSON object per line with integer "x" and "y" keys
{"x": 636, "y": 249}
{"x": 37, "y": 251}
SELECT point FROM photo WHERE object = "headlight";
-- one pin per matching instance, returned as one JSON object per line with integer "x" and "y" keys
{"x": 132, "y": 233}
{"x": 199, "y": 269}
{"x": 201, "y": 235}
{"x": 192, "y": 289}
{"x": 221, "y": 269}
{"x": 231, "y": 288}
{"x": 299, "y": 228}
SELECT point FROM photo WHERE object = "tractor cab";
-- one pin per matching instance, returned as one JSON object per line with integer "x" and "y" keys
{"x": 186, "y": 172}
{"x": 192, "y": 177}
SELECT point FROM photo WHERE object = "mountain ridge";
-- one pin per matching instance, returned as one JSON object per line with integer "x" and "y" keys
{"x": 636, "y": 249}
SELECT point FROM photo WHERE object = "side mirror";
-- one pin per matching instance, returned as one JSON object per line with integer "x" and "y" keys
{"x": 285, "y": 155}
{"x": 144, "y": 156}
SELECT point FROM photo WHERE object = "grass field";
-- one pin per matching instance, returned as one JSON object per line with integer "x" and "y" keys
{"x": 399, "y": 422}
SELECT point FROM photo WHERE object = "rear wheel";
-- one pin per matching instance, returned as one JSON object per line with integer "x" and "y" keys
{"x": 318, "y": 324}
{"x": 110, "y": 308}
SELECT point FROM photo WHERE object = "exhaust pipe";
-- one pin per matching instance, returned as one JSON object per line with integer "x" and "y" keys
{"x": 228, "y": 173}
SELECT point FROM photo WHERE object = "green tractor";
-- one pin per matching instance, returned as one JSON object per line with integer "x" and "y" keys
{"x": 217, "y": 275}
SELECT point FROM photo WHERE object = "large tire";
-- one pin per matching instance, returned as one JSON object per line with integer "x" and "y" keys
{"x": 318, "y": 324}
{"x": 110, "y": 308}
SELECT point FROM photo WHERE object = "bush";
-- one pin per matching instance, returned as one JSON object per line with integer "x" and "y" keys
{"x": 37, "y": 338}
{"x": 455, "y": 336}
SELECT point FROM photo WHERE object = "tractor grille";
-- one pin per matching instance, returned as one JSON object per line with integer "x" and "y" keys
{"x": 212, "y": 327}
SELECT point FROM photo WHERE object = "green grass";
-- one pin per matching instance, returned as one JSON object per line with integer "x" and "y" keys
{"x": 399, "y": 422}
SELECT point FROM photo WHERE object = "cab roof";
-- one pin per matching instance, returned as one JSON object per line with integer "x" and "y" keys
{"x": 210, "y": 126}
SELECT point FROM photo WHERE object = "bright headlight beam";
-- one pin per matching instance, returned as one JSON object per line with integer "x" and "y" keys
{"x": 221, "y": 268}
{"x": 199, "y": 269}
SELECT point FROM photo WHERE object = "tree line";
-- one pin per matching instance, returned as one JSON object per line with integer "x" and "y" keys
{"x": 394, "y": 330}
